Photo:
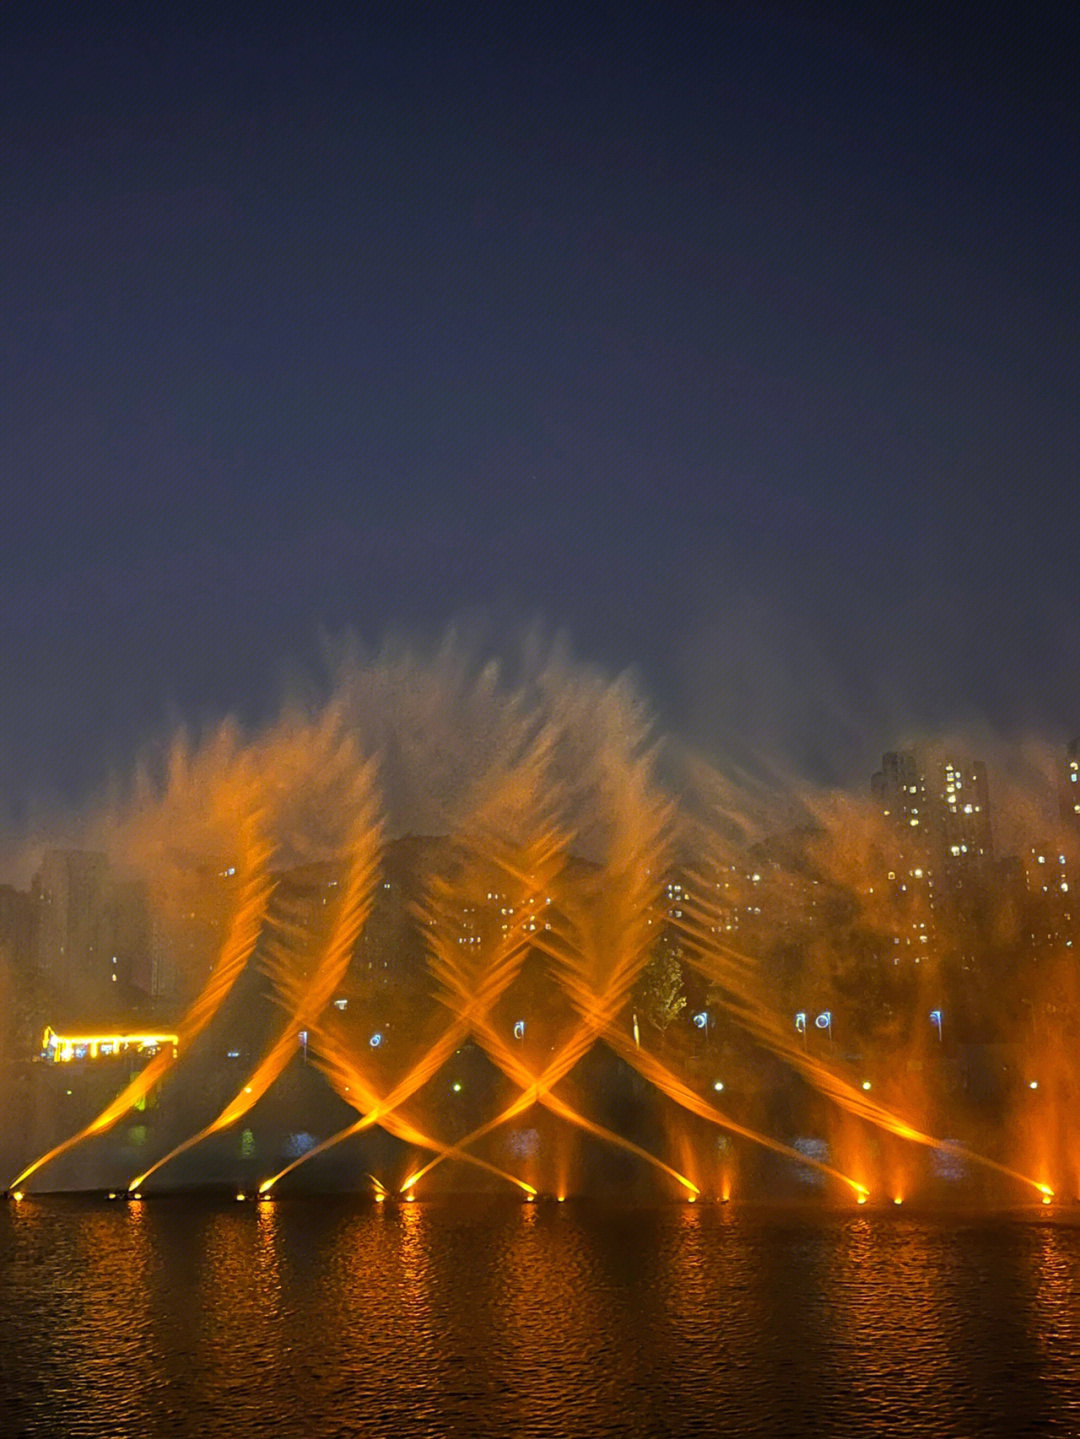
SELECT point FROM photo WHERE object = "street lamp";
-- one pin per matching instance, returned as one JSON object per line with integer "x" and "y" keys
{"x": 935, "y": 1019}
{"x": 824, "y": 1021}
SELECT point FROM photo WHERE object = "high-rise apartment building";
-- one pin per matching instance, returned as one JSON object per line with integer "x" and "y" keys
{"x": 939, "y": 875}
{"x": 900, "y": 790}
{"x": 961, "y": 811}
{"x": 942, "y": 809}
{"x": 18, "y": 948}
{"x": 1050, "y": 896}
{"x": 74, "y": 930}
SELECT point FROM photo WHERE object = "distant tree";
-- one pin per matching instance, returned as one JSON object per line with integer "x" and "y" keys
{"x": 659, "y": 992}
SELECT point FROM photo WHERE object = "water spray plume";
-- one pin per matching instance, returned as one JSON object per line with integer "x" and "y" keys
{"x": 473, "y": 978}
{"x": 538, "y": 1089}
{"x": 249, "y": 916}
{"x": 651, "y": 1068}
{"x": 619, "y": 910}
{"x": 350, "y": 1084}
{"x": 342, "y": 1069}
{"x": 613, "y": 929}
{"x": 733, "y": 971}
{"x": 562, "y": 842}
{"x": 306, "y": 997}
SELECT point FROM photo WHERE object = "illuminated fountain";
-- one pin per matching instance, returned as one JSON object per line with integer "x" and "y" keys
{"x": 253, "y": 899}
{"x": 537, "y": 924}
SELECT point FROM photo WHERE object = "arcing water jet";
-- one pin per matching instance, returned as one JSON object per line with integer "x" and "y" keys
{"x": 256, "y": 887}
{"x": 306, "y": 998}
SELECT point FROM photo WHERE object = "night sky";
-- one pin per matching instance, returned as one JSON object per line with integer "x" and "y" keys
{"x": 739, "y": 342}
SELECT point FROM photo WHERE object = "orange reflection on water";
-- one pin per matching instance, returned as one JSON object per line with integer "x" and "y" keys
{"x": 1056, "y": 1301}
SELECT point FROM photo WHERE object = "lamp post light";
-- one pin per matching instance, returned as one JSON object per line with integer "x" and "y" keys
{"x": 935, "y": 1020}
{"x": 800, "y": 1025}
{"x": 824, "y": 1021}
{"x": 701, "y": 1022}
{"x": 519, "y": 1029}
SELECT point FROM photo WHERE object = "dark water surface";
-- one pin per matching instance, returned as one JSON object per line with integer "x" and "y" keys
{"x": 198, "y": 1316}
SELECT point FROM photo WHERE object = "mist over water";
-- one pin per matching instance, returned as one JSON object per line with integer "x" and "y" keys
{"x": 451, "y": 923}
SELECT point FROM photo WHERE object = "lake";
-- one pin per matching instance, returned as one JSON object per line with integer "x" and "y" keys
{"x": 198, "y": 1315}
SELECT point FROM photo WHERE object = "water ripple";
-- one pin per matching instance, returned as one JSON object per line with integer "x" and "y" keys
{"x": 327, "y": 1318}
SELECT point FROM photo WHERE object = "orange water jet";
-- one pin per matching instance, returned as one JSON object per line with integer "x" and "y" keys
{"x": 342, "y": 1071}
{"x": 244, "y": 930}
{"x": 651, "y": 1068}
{"x": 471, "y": 983}
{"x": 537, "y": 1089}
{"x": 382, "y": 1111}
{"x": 730, "y": 969}
{"x": 306, "y": 999}
{"x": 615, "y": 930}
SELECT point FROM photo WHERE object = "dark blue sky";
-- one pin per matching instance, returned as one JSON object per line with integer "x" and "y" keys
{"x": 741, "y": 342}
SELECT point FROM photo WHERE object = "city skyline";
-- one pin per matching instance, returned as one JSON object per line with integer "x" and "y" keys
{"x": 87, "y": 922}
